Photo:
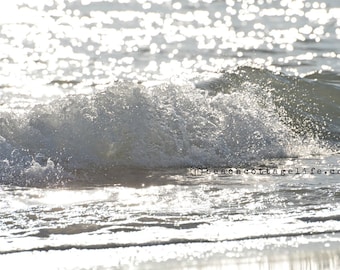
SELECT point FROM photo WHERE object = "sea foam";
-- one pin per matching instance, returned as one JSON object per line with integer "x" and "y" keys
{"x": 241, "y": 118}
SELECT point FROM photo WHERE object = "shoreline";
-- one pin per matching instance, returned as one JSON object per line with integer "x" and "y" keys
{"x": 301, "y": 252}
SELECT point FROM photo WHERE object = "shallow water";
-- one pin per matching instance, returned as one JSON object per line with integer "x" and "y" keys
{"x": 177, "y": 134}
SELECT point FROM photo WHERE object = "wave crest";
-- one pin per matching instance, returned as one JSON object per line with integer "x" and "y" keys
{"x": 241, "y": 118}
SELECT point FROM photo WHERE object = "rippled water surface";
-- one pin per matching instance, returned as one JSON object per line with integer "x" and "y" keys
{"x": 189, "y": 134}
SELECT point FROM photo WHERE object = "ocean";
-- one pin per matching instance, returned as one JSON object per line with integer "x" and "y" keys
{"x": 177, "y": 134}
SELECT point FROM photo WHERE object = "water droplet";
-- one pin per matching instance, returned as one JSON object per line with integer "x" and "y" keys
{"x": 258, "y": 135}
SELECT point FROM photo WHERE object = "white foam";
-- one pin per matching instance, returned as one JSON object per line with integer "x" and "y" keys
{"x": 165, "y": 125}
